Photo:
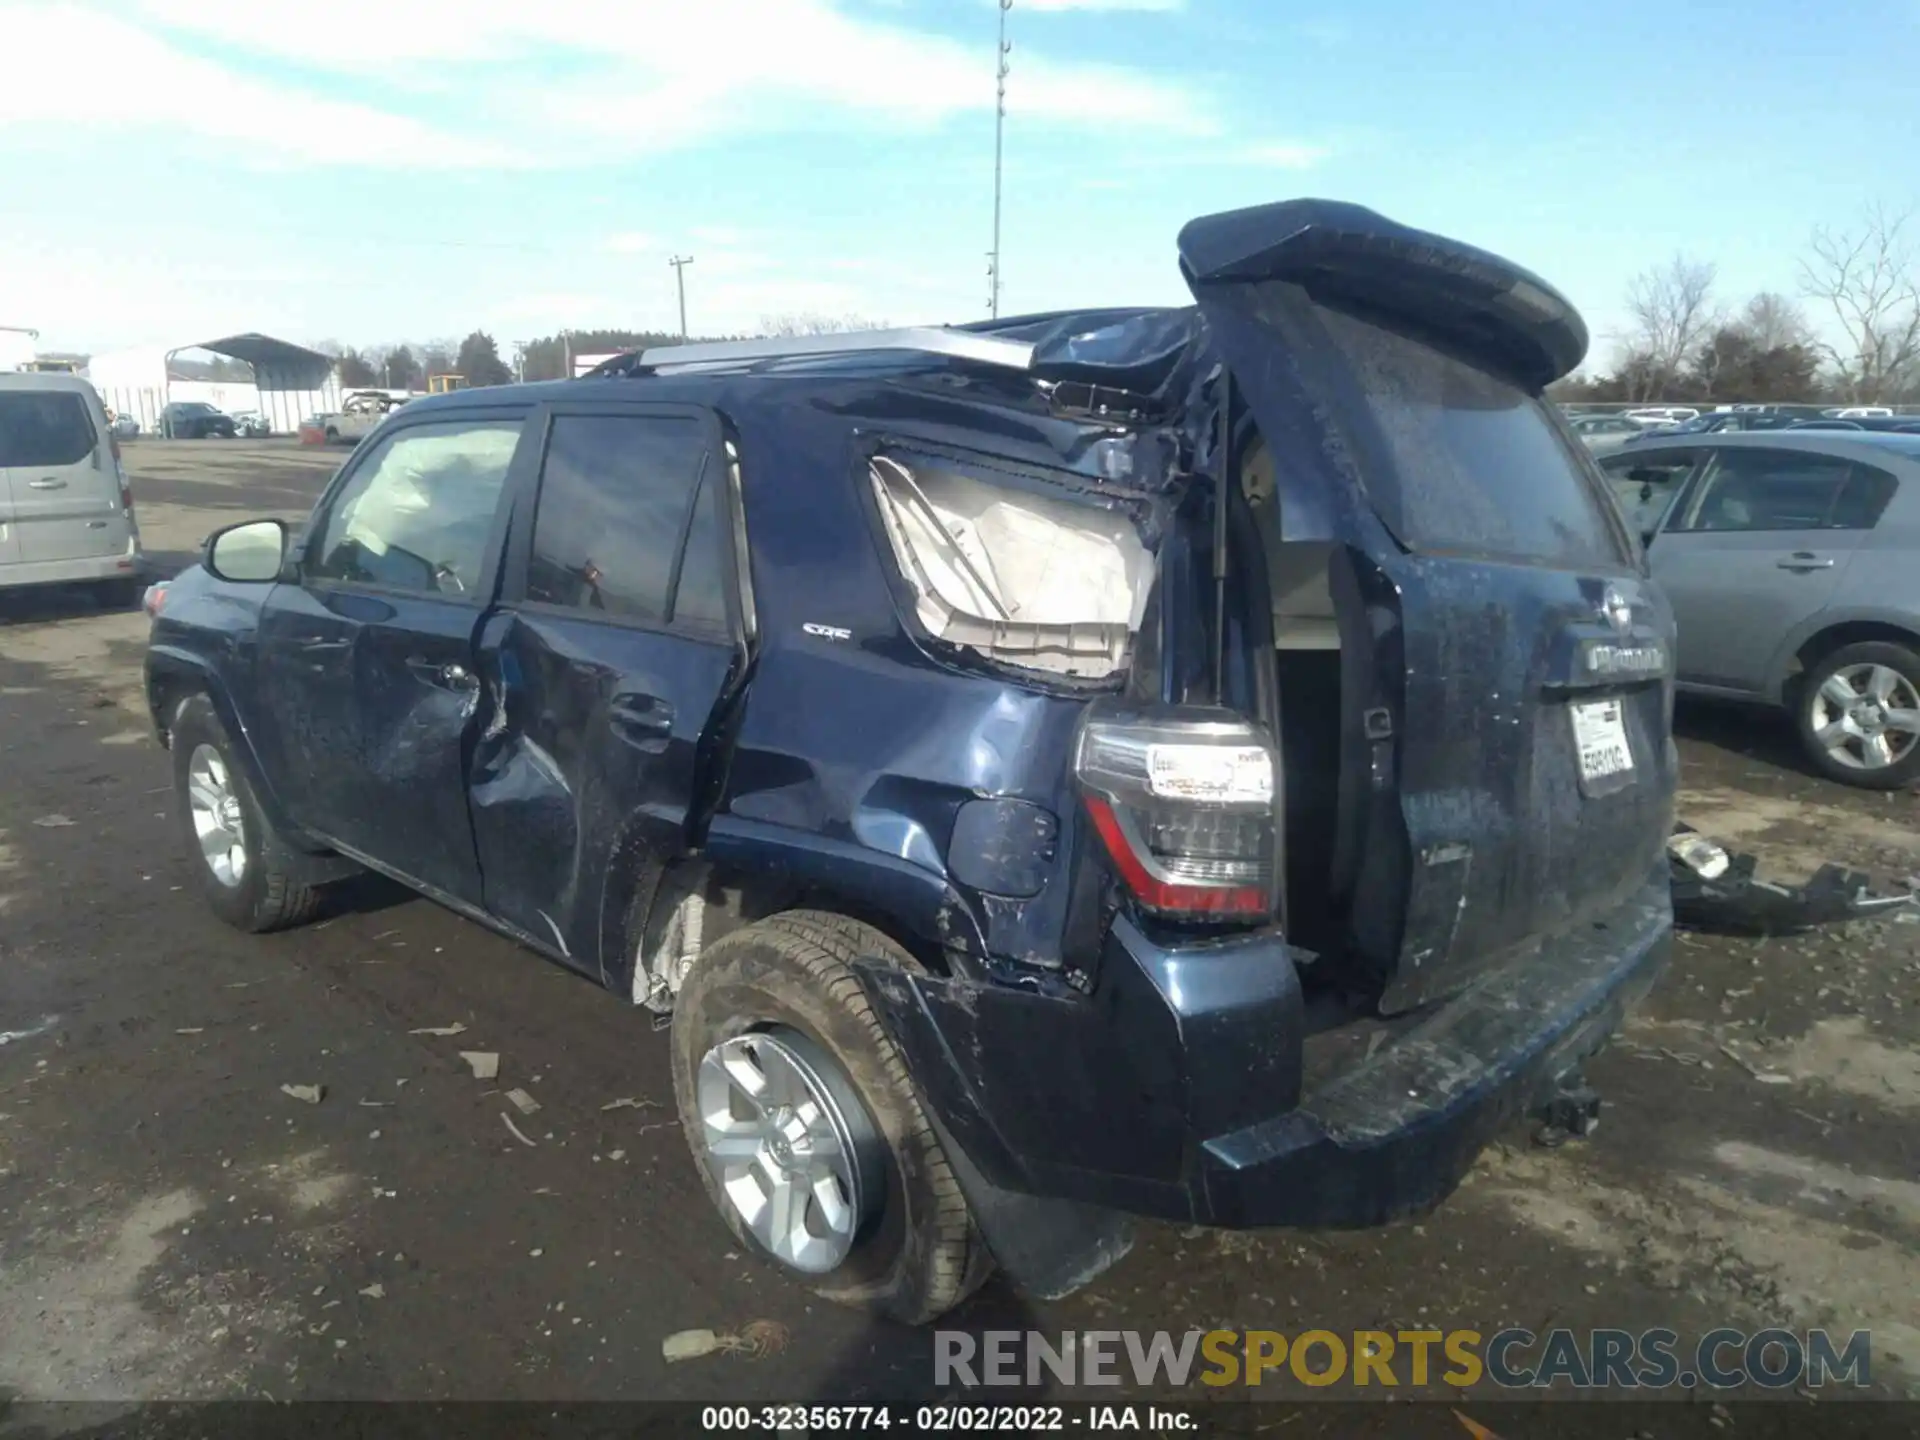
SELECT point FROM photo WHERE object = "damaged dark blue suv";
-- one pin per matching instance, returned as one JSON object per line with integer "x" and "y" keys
{"x": 1208, "y": 763}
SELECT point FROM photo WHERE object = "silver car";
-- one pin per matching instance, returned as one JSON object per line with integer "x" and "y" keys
{"x": 1792, "y": 559}
{"x": 66, "y": 510}
{"x": 1603, "y": 434}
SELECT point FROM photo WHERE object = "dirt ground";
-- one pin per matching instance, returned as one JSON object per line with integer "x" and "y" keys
{"x": 172, "y": 1225}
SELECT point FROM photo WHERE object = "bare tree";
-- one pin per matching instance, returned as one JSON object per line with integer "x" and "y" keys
{"x": 1868, "y": 279}
{"x": 1672, "y": 310}
{"x": 810, "y": 323}
{"x": 1773, "y": 322}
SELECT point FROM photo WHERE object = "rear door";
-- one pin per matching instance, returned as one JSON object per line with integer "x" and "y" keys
{"x": 1757, "y": 546}
{"x": 62, "y": 482}
{"x": 367, "y": 662}
{"x": 618, "y": 633}
{"x": 1507, "y": 768}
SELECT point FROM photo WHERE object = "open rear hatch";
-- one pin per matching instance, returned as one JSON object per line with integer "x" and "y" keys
{"x": 1506, "y": 775}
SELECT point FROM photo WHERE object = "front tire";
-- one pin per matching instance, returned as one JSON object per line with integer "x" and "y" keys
{"x": 243, "y": 866}
{"x": 1858, "y": 715}
{"x": 874, "y": 1218}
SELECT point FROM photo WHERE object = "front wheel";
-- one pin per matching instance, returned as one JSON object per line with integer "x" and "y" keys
{"x": 242, "y": 864}
{"x": 807, "y": 1128}
{"x": 1858, "y": 714}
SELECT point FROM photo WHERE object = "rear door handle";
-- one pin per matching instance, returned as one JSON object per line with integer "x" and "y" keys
{"x": 642, "y": 717}
{"x": 441, "y": 676}
{"x": 323, "y": 647}
{"x": 1804, "y": 560}
{"x": 50, "y": 483}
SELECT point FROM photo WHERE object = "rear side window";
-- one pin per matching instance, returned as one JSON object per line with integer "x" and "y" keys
{"x": 617, "y": 499}
{"x": 44, "y": 427}
{"x": 1475, "y": 464}
{"x": 1788, "y": 490}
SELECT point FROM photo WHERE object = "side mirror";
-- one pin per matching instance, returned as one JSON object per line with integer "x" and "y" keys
{"x": 248, "y": 553}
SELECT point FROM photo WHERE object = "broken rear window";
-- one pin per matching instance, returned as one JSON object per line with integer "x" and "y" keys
{"x": 1475, "y": 464}
{"x": 1049, "y": 584}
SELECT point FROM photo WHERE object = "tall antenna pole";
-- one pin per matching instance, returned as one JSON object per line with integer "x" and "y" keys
{"x": 679, "y": 264}
{"x": 999, "y": 127}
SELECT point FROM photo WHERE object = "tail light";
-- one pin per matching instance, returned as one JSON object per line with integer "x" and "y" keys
{"x": 1183, "y": 801}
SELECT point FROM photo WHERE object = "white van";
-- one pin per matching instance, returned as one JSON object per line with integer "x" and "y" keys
{"x": 66, "y": 512}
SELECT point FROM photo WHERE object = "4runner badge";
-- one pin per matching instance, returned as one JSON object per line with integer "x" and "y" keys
{"x": 827, "y": 632}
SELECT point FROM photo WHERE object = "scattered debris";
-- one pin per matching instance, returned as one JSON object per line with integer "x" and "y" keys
{"x": 310, "y": 1094}
{"x": 191, "y": 1030}
{"x": 47, "y": 1022}
{"x": 454, "y": 1029}
{"x": 1717, "y": 891}
{"x": 377, "y": 1104}
{"x": 53, "y": 822}
{"x": 616, "y": 1154}
{"x": 517, "y": 1133}
{"x": 761, "y": 1338}
{"x": 1765, "y": 1077}
{"x": 485, "y": 1064}
{"x": 523, "y": 1102}
{"x": 375, "y": 1291}
{"x": 627, "y": 1102}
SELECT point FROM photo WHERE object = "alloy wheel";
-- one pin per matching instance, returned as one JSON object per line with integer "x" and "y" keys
{"x": 1866, "y": 716}
{"x": 217, "y": 819}
{"x": 790, "y": 1146}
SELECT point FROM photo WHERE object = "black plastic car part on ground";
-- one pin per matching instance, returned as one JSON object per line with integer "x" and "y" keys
{"x": 1185, "y": 693}
{"x": 1717, "y": 891}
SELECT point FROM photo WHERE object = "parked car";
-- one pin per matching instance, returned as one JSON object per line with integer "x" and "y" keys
{"x": 193, "y": 420}
{"x": 66, "y": 510}
{"x": 358, "y": 416}
{"x": 251, "y": 424}
{"x": 1864, "y": 412}
{"x": 1663, "y": 414}
{"x": 1790, "y": 559}
{"x": 868, "y": 703}
{"x": 122, "y": 427}
{"x": 1604, "y": 433}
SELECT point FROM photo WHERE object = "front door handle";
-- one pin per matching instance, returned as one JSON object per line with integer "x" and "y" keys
{"x": 1804, "y": 560}
{"x": 52, "y": 482}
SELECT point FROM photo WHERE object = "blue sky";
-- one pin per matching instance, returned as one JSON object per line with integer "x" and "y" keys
{"x": 373, "y": 170}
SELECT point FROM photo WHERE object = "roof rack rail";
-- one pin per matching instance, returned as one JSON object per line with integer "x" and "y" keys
{"x": 926, "y": 339}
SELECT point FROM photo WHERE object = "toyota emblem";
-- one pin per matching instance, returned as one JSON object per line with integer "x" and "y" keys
{"x": 1617, "y": 610}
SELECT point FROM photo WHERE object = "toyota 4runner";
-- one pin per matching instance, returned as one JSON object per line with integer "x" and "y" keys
{"x": 1205, "y": 763}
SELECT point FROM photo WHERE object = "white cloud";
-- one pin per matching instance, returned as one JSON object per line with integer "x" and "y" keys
{"x": 648, "y": 75}
{"x": 72, "y": 68}
{"x": 629, "y": 242}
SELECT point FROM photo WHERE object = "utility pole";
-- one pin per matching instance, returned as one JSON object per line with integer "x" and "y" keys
{"x": 679, "y": 264}
{"x": 999, "y": 127}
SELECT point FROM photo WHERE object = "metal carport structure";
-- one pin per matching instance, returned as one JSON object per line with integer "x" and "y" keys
{"x": 290, "y": 382}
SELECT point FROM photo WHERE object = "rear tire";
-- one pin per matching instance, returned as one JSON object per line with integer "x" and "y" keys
{"x": 248, "y": 883}
{"x": 333, "y": 436}
{"x": 1839, "y": 710}
{"x": 915, "y": 1253}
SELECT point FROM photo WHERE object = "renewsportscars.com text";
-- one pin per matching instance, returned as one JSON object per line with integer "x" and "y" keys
{"x": 1512, "y": 1359}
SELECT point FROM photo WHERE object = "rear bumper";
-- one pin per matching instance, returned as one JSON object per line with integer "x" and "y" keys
{"x": 1176, "y": 1089}
{"x": 121, "y": 565}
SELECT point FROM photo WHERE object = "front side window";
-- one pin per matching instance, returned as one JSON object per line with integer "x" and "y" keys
{"x": 44, "y": 427}
{"x": 1474, "y": 464}
{"x": 1646, "y": 485}
{"x": 418, "y": 512}
{"x": 614, "y": 511}
{"x": 1786, "y": 490}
